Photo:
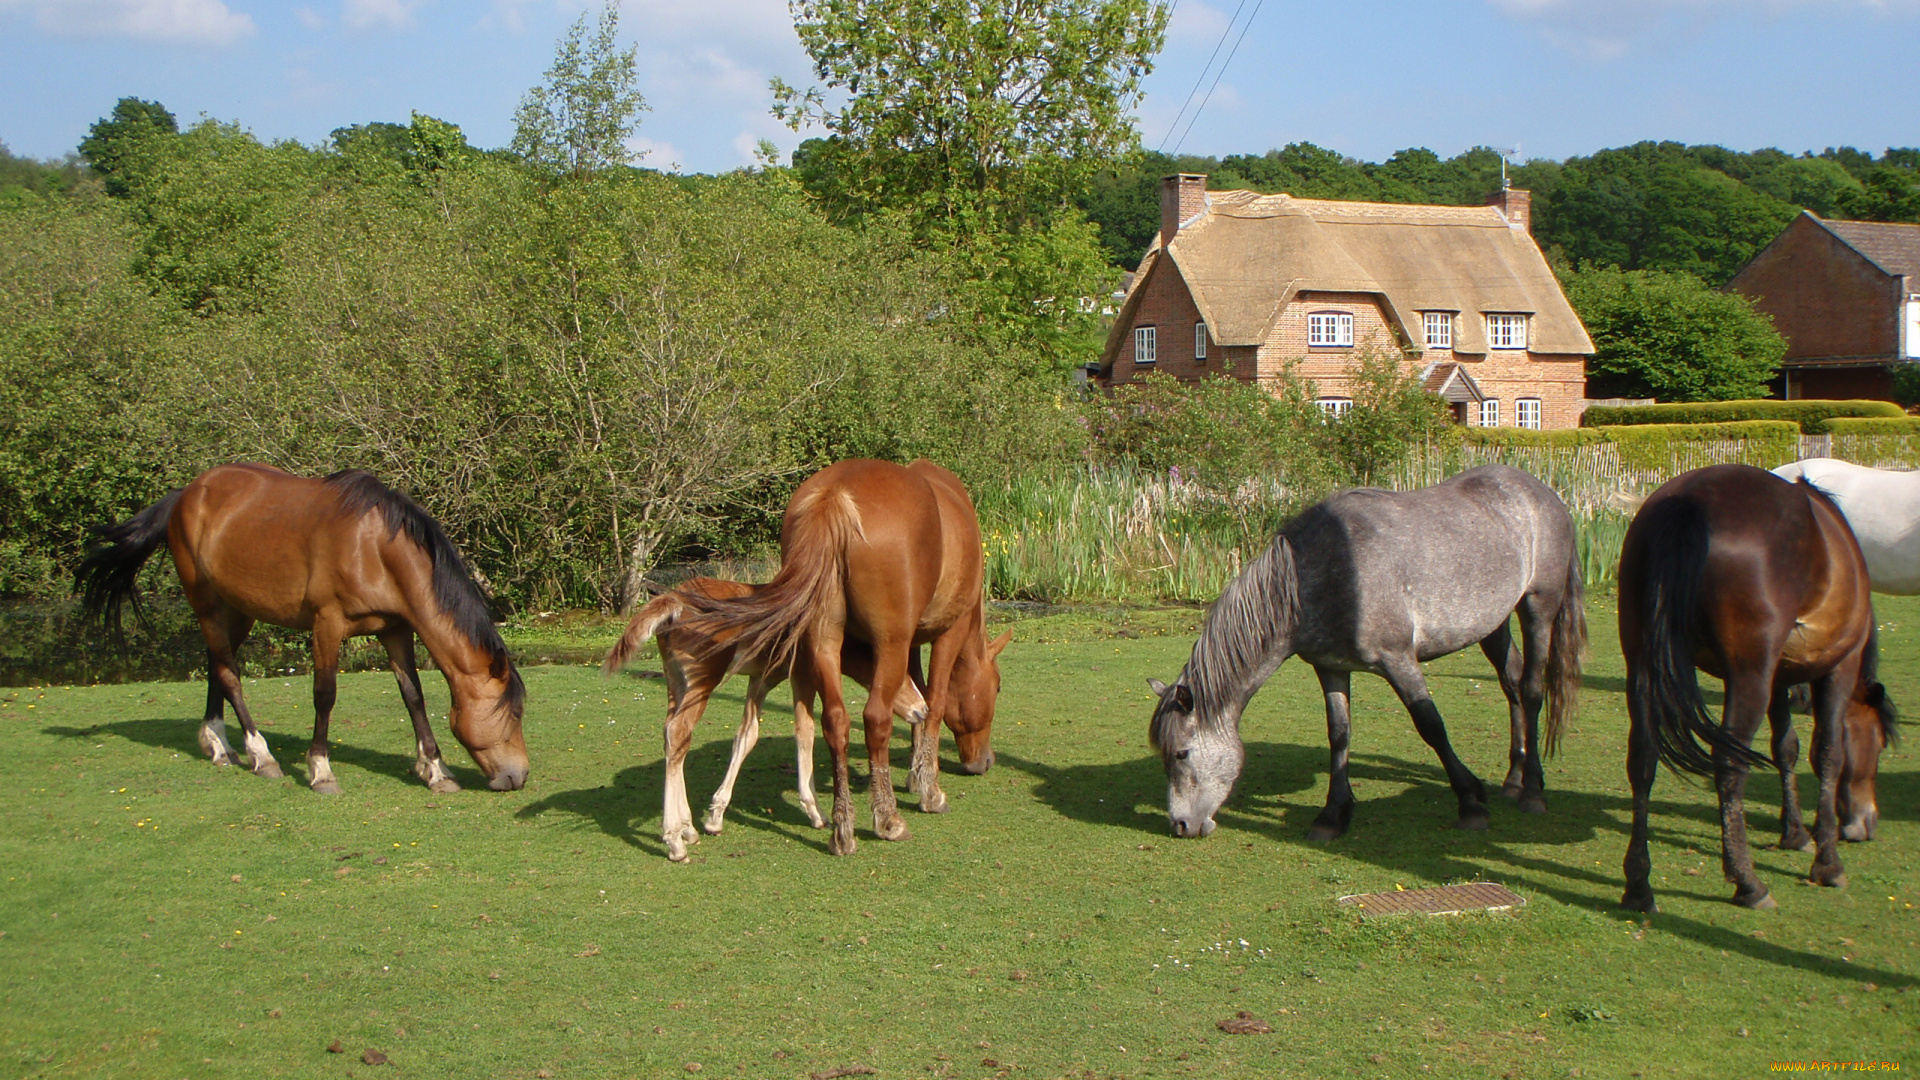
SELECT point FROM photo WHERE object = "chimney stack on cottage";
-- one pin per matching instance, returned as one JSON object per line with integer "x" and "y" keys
{"x": 1183, "y": 197}
{"x": 1516, "y": 205}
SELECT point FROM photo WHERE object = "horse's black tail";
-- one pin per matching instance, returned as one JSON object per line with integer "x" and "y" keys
{"x": 1565, "y": 650}
{"x": 1663, "y": 687}
{"x": 107, "y": 575}
{"x": 1872, "y": 691}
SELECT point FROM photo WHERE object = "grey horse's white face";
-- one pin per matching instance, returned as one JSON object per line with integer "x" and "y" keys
{"x": 1202, "y": 760}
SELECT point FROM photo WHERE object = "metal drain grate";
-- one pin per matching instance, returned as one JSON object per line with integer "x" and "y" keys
{"x": 1439, "y": 900}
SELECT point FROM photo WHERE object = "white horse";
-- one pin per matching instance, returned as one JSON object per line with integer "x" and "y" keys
{"x": 1883, "y": 509}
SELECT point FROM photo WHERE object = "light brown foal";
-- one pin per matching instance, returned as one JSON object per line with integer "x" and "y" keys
{"x": 695, "y": 669}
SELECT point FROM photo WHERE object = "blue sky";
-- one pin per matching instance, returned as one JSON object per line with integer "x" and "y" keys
{"x": 1365, "y": 77}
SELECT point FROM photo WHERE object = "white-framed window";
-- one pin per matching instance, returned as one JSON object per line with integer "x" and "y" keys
{"x": 1329, "y": 328}
{"x": 1526, "y": 413}
{"x": 1507, "y": 331}
{"x": 1335, "y": 407}
{"x": 1439, "y": 327}
{"x": 1490, "y": 412}
{"x": 1146, "y": 345}
{"x": 1199, "y": 341}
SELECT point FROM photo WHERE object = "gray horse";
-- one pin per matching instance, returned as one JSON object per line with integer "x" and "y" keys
{"x": 1379, "y": 581}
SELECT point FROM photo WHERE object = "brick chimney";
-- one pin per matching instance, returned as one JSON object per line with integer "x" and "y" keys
{"x": 1516, "y": 205}
{"x": 1183, "y": 197}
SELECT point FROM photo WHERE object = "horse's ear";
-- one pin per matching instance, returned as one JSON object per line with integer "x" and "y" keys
{"x": 998, "y": 645}
{"x": 1183, "y": 697}
{"x": 1159, "y": 688}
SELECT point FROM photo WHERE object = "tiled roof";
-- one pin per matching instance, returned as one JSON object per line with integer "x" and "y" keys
{"x": 1893, "y": 247}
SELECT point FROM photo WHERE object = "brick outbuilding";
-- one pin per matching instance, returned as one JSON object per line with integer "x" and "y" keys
{"x": 1846, "y": 295}
{"x": 1249, "y": 285}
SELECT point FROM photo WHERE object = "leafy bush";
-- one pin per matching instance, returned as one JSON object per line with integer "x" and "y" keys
{"x": 1811, "y": 416}
{"x": 1667, "y": 335}
{"x": 1874, "y": 425}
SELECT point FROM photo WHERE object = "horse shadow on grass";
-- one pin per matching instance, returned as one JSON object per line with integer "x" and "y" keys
{"x": 289, "y": 749}
{"x": 628, "y": 808}
{"x": 1410, "y": 833}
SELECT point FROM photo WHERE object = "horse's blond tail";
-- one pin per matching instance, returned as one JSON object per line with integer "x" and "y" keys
{"x": 808, "y": 594}
{"x": 659, "y": 613}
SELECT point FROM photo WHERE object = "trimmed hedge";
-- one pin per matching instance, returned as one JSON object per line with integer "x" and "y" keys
{"x": 1874, "y": 425}
{"x": 1654, "y": 445}
{"x": 1812, "y": 416}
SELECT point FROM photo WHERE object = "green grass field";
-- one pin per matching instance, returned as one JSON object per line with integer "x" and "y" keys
{"x": 165, "y": 918}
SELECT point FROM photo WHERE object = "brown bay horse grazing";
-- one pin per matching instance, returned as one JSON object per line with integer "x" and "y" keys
{"x": 889, "y": 555}
{"x": 1760, "y": 583}
{"x": 342, "y": 557}
{"x": 695, "y": 668}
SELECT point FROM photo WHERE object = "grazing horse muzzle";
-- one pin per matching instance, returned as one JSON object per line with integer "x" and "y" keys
{"x": 978, "y": 764}
{"x": 1191, "y": 828}
{"x": 509, "y": 779}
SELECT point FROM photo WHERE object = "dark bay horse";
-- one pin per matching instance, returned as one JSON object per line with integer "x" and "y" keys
{"x": 695, "y": 668}
{"x": 889, "y": 555}
{"x": 1758, "y": 582}
{"x": 1379, "y": 581}
{"x": 342, "y": 557}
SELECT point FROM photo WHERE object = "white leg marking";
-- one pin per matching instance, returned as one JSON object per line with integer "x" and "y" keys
{"x": 433, "y": 771}
{"x": 213, "y": 740}
{"x": 261, "y": 757}
{"x": 744, "y": 741}
{"x": 320, "y": 774}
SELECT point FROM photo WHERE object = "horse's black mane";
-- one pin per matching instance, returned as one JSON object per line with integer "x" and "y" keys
{"x": 454, "y": 589}
{"x": 1260, "y": 605}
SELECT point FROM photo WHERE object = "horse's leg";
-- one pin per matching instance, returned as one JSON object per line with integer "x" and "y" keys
{"x": 232, "y": 629}
{"x": 938, "y": 695}
{"x": 1786, "y": 754}
{"x": 1748, "y": 693}
{"x": 1643, "y": 764}
{"x": 833, "y": 706}
{"x": 803, "y": 697}
{"x": 327, "y": 636}
{"x": 1404, "y": 673}
{"x": 889, "y": 675}
{"x": 1505, "y": 657}
{"x": 213, "y": 726}
{"x": 1333, "y": 819}
{"x": 1536, "y": 633}
{"x": 676, "y": 816}
{"x": 428, "y": 765}
{"x": 926, "y": 737}
{"x": 1830, "y": 698}
{"x": 744, "y": 741}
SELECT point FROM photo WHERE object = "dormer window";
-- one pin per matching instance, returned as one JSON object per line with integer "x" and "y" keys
{"x": 1199, "y": 341}
{"x": 1507, "y": 331}
{"x": 1439, "y": 327}
{"x": 1146, "y": 345}
{"x": 1329, "y": 329}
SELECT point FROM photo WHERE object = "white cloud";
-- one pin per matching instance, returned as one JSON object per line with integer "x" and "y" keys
{"x": 371, "y": 14}
{"x": 656, "y": 154}
{"x": 1195, "y": 21}
{"x": 310, "y": 18}
{"x": 188, "y": 22}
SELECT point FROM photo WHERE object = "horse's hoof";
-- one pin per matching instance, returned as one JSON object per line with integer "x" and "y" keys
{"x": 444, "y": 786}
{"x": 1640, "y": 899}
{"x": 715, "y": 822}
{"x": 1321, "y": 834}
{"x": 1803, "y": 842}
{"x": 813, "y": 818}
{"x": 676, "y": 854}
{"x": 842, "y": 844}
{"x": 327, "y": 787}
{"x": 1512, "y": 789}
{"x": 1758, "y": 901}
{"x": 1835, "y": 879}
{"x": 269, "y": 769}
{"x": 935, "y": 803}
{"x": 1533, "y": 804}
{"x": 893, "y": 828}
{"x": 1474, "y": 821}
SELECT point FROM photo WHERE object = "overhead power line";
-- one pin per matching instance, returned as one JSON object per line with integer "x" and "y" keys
{"x": 1244, "y": 27}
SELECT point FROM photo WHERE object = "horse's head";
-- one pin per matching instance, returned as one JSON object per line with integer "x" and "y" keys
{"x": 1867, "y": 729}
{"x": 976, "y": 690}
{"x": 486, "y": 720}
{"x": 1203, "y": 757}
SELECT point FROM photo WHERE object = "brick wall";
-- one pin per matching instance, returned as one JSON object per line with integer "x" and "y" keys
{"x": 1167, "y": 306}
{"x": 1824, "y": 298}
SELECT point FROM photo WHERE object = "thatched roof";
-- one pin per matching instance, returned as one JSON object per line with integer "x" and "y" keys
{"x": 1247, "y": 256}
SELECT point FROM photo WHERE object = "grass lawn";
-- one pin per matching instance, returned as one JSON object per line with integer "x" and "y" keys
{"x": 165, "y": 918}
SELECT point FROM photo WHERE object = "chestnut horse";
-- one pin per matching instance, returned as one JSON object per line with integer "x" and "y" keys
{"x": 889, "y": 555}
{"x": 1760, "y": 583}
{"x": 343, "y": 557}
{"x": 695, "y": 669}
